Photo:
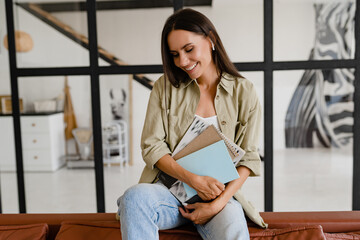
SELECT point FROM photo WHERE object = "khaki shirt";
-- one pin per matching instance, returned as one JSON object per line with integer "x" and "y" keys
{"x": 239, "y": 115}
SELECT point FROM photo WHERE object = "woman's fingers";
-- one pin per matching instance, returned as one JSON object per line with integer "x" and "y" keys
{"x": 209, "y": 188}
{"x": 217, "y": 187}
{"x": 221, "y": 186}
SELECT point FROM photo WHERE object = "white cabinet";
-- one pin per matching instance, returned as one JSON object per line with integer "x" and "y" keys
{"x": 43, "y": 142}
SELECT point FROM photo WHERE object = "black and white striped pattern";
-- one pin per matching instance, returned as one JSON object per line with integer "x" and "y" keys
{"x": 321, "y": 109}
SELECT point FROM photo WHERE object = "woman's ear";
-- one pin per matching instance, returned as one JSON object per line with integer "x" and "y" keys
{"x": 212, "y": 40}
{"x": 212, "y": 45}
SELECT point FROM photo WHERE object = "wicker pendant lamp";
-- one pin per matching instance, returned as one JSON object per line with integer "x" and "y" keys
{"x": 23, "y": 42}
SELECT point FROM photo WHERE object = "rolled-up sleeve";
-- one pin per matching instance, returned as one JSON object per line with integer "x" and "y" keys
{"x": 250, "y": 135}
{"x": 153, "y": 144}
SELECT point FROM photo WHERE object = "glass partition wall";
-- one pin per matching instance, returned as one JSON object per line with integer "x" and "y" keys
{"x": 313, "y": 155}
{"x": 313, "y": 109}
{"x": 93, "y": 64}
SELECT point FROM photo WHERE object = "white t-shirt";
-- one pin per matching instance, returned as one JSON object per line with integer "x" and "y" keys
{"x": 211, "y": 120}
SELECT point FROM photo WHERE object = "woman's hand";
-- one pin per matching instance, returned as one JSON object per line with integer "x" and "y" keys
{"x": 200, "y": 213}
{"x": 207, "y": 188}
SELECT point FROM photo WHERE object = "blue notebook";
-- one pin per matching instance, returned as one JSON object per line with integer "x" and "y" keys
{"x": 213, "y": 160}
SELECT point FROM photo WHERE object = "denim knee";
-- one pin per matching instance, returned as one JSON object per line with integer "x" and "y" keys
{"x": 133, "y": 195}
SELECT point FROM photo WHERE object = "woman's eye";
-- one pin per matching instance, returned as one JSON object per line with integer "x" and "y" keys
{"x": 189, "y": 50}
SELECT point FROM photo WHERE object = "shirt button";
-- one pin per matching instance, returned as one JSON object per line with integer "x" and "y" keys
{"x": 217, "y": 97}
{"x": 223, "y": 122}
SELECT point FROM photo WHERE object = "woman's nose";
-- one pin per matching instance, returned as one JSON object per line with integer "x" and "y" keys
{"x": 183, "y": 60}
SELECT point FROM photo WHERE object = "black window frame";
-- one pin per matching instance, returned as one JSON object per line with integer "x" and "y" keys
{"x": 268, "y": 66}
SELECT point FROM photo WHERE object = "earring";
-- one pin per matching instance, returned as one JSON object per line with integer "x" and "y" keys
{"x": 212, "y": 45}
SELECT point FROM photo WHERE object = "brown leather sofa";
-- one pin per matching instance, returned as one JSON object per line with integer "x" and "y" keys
{"x": 103, "y": 226}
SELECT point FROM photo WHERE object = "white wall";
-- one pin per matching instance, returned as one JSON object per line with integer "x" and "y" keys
{"x": 4, "y": 56}
{"x": 134, "y": 36}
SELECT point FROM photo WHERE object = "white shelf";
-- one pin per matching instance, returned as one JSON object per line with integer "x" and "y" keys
{"x": 115, "y": 142}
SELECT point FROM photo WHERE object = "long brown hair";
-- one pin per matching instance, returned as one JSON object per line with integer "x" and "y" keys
{"x": 193, "y": 21}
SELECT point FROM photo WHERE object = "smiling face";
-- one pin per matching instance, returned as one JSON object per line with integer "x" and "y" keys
{"x": 192, "y": 53}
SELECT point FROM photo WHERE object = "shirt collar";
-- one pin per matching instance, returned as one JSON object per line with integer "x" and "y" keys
{"x": 184, "y": 85}
{"x": 227, "y": 82}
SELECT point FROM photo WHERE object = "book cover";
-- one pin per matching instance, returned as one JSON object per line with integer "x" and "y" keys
{"x": 213, "y": 161}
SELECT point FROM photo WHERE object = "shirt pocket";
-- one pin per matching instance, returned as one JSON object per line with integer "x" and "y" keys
{"x": 240, "y": 130}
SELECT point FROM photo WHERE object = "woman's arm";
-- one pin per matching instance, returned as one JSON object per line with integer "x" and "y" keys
{"x": 231, "y": 189}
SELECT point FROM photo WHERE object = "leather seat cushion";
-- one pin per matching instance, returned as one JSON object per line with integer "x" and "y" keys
{"x": 343, "y": 236}
{"x": 24, "y": 232}
{"x": 94, "y": 230}
{"x": 296, "y": 233}
{"x": 89, "y": 230}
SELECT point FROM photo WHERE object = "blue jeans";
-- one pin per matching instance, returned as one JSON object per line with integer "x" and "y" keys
{"x": 144, "y": 209}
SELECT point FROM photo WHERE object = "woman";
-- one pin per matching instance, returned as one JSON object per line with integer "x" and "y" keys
{"x": 199, "y": 80}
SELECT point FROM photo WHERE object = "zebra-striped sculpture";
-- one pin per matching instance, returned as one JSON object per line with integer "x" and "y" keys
{"x": 321, "y": 109}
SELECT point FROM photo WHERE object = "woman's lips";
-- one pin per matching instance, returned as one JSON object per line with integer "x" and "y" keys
{"x": 191, "y": 68}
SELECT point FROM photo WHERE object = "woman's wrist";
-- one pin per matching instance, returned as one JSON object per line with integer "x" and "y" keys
{"x": 218, "y": 204}
{"x": 191, "y": 179}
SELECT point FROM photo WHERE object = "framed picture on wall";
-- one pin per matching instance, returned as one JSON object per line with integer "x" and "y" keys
{"x": 321, "y": 107}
